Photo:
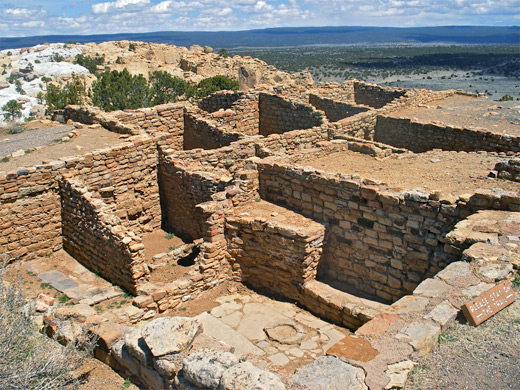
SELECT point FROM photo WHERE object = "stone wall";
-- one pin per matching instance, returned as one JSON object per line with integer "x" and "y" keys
{"x": 337, "y": 92}
{"x": 420, "y": 137}
{"x": 124, "y": 175}
{"x": 189, "y": 178}
{"x": 335, "y": 110}
{"x": 203, "y": 133}
{"x": 378, "y": 241}
{"x": 95, "y": 237}
{"x": 221, "y": 100}
{"x": 508, "y": 169}
{"x": 279, "y": 115}
{"x": 275, "y": 257}
{"x": 163, "y": 118}
{"x": 30, "y": 213}
{"x": 374, "y": 95}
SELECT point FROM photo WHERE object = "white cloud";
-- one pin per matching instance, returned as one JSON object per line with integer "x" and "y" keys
{"x": 103, "y": 8}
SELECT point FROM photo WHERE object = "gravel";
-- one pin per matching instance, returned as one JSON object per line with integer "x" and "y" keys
{"x": 10, "y": 143}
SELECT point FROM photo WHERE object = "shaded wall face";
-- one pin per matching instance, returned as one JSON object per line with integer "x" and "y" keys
{"x": 278, "y": 115}
{"x": 335, "y": 110}
{"x": 377, "y": 242}
{"x": 374, "y": 95}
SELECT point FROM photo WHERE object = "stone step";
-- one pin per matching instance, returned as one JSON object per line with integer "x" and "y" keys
{"x": 338, "y": 306}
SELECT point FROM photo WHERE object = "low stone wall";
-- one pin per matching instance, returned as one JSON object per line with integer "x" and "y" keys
{"x": 221, "y": 100}
{"x": 378, "y": 241}
{"x": 205, "y": 133}
{"x": 159, "y": 119}
{"x": 275, "y": 257}
{"x": 508, "y": 169}
{"x": 374, "y": 95}
{"x": 337, "y": 92}
{"x": 420, "y": 137}
{"x": 335, "y": 110}
{"x": 279, "y": 115}
{"x": 93, "y": 235}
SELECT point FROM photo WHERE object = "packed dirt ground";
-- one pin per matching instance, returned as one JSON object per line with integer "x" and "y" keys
{"x": 473, "y": 358}
{"x": 449, "y": 172}
{"x": 465, "y": 111}
{"x": 88, "y": 139}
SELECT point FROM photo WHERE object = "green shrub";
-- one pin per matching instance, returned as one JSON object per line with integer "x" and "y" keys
{"x": 216, "y": 83}
{"x": 58, "y": 97}
{"x": 115, "y": 90}
{"x": 12, "y": 110}
{"x": 165, "y": 88}
{"x": 91, "y": 63}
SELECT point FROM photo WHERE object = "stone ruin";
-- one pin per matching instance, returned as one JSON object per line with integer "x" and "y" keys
{"x": 392, "y": 265}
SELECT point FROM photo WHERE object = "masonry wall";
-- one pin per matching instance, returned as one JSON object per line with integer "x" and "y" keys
{"x": 124, "y": 175}
{"x": 273, "y": 257}
{"x": 189, "y": 178}
{"x": 378, "y": 241}
{"x": 374, "y": 95}
{"x": 279, "y": 115}
{"x": 337, "y": 92}
{"x": 163, "y": 118}
{"x": 93, "y": 235}
{"x": 508, "y": 169}
{"x": 420, "y": 137}
{"x": 221, "y": 100}
{"x": 205, "y": 133}
{"x": 335, "y": 110}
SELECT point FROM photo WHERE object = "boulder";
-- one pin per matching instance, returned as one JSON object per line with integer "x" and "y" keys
{"x": 205, "y": 367}
{"x": 168, "y": 335}
{"x": 245, "y": 376}
{"x": 329, "y": 373}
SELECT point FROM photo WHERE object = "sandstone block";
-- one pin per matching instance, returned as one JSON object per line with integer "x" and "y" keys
{"x": 205, "y": 367}
{"x": 168, "y": 335}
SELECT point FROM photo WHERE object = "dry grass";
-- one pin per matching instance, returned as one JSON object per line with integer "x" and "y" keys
{"x": 28, "y": 359}
{"x": 482, "y": 357}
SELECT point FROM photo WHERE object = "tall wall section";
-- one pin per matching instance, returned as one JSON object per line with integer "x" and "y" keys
{"x": 378, "y": 241}
{"x": 93, "y": 235}
{"x": 30, "y": 199}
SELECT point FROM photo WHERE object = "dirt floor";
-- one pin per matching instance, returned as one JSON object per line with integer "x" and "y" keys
{"x": 89, "y": 138}
{"x": 474, "y": 358}
{"x": 467, "y": 111}
{"x": 453, "y": 173}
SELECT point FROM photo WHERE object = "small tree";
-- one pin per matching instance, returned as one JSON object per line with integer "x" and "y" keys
{"x": 216, "y": 83}
{"x": 115, "y": 90}
{"x": 223, "y": 53}
{"x": 12, "y": 110}
{"x": 73, "y": 92}
{"x": 165, "y": 88}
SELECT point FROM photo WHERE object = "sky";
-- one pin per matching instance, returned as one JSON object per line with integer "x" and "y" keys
{"x": 52, "y": 17}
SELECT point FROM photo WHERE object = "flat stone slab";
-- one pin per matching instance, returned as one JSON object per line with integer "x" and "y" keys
{"x": 355, "y": 348}
{"x": 219, "y": 330}
{"x": 245, "y": 376}
{"x": 421, "y": 335}
{"x": 329, "y": 373}
{"x": 205, "y": 367}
